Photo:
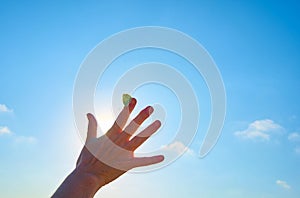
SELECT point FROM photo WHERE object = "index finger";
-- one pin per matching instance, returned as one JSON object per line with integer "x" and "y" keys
{"x": 121, "y": 120}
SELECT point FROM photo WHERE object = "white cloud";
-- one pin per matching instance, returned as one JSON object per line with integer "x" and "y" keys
{"x": 297, "y": 150}
{"x": 17, "y": 138}
{"x": 283, "y": 184}
{"x": 4, "y": 108}
{"x": 259, "y": 130}
{"x": 25, "y": 139}
{"x": 4, "y": 130}
{"x": 178, "y": 148}
{"x": 294, "y": 137}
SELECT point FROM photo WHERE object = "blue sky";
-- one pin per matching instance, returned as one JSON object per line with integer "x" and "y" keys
{"x": 255, "y": 45}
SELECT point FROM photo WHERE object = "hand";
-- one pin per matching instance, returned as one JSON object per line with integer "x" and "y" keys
{"x": 104, "y": 159}
{"x": 115, "y": 149}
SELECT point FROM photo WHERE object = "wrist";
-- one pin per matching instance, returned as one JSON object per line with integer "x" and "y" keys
{"x": 88, "y": 181}
{"x": 79, "y": 184}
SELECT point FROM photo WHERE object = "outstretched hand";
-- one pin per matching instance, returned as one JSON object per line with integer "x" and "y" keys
{"x": 104, "y": 159}
{"x": 114, "y": 150}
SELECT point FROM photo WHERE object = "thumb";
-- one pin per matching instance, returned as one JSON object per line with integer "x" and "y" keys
{"x": 92, "y": 127}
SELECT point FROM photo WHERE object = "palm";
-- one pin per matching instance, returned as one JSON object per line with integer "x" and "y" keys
{"x": 112, "y": 154}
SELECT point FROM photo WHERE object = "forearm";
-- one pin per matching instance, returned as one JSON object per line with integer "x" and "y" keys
{"x": 78, "y": 185}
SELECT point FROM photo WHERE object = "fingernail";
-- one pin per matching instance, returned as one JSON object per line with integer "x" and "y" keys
{"x": 126, "y": 98}
{"x": 161, "y": 157}
{"x": 150, "y": 110}
{"x": 157, "y": 123}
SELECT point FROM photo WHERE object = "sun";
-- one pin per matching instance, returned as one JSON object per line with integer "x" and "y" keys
{"x": 105, "y": 121}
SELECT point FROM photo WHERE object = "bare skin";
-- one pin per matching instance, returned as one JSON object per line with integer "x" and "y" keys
{"x": 91, "y": 173}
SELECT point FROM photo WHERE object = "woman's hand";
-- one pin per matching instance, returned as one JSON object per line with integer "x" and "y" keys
{"x": 104, "y": 159}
